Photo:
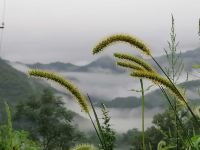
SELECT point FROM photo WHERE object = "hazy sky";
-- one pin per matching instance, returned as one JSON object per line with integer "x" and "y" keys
{"x": 66, "y": 30}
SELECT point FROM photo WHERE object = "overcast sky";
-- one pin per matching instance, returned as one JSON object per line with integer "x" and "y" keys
{"x": 66, "y": 30}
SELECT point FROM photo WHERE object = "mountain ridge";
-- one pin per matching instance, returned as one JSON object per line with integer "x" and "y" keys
{"x": 107, "y": 63}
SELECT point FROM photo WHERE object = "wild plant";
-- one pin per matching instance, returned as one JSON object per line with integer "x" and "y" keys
{"x": 79, "y": 97}
{"x": 85, "y": 103}
{"x": 129, "y": 65}
{"x": 175, "y": 62}
{"x": 108, "y": 133}
{"x": 133, "y": 41}
{"x": 135, "y": 61}
{"x": 147, "y": 72}
{"x": 175, "y": 67}
{"x": 145, "y": 49}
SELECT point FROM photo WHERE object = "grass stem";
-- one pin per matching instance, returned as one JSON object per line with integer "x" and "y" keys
{"x": 142, "y": 106}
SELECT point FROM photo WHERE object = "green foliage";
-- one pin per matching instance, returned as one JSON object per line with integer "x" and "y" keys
{"x": 153, "y": 136}
{"x": 166, "y": 124}
{"x": 108, "y": 133}
{"x": 133, "y": 139}
{"x": 196, "y": 142}
{"x": 15, "y": 140}
{"x": 164, "y": 129}
{"x": 48, "y": 122}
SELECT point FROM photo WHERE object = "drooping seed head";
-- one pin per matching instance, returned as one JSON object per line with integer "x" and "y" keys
{"x": 133, "y": 41}
{"x": 156, "y": 78}
{"x": 134, "y": 59}
{"x": 129, "y": 65}
{"x": 66, "y": 84}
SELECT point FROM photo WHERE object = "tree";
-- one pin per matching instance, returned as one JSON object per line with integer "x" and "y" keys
{"x": 48, "y": 122}
{"x": 133, "y": 138}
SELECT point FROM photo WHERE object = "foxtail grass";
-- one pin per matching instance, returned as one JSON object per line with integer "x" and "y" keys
{"x": 129, "y": 65}
{"x": 134, "y": 59}
{"x": 133, "y": 41}
{"x": 142, "y": 111}
{"x": 156, "y": 78}
{"x": 80, "y": 98}
{"x": 99, "y": 131}
{"x": 187, "y": 105}
{"x": 160, "y": 81}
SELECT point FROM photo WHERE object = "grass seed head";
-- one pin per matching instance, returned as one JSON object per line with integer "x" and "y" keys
{"x": 65, "y": 83}
{"x": 129, "y": 65}
{"x": 134, "y": 59}
{"x": 156, "y": 78}
{"x": 133, "y": 41}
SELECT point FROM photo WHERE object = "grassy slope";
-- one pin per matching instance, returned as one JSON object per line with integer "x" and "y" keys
{"x": 16, "y": 86}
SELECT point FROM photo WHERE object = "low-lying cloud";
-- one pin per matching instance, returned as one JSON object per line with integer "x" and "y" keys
{"x": 121, "y": 119}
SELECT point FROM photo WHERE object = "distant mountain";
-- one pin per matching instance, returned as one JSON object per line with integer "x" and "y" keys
{"x": 155, "y": 98}
{"x": 190, "y": 58}
{"x": 103, "y": 64}
{"x": 56, "y": 66}
{"x": 108, "y": 64}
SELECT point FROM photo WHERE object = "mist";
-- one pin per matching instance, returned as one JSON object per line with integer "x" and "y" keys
{"x": 121, "y": 119}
